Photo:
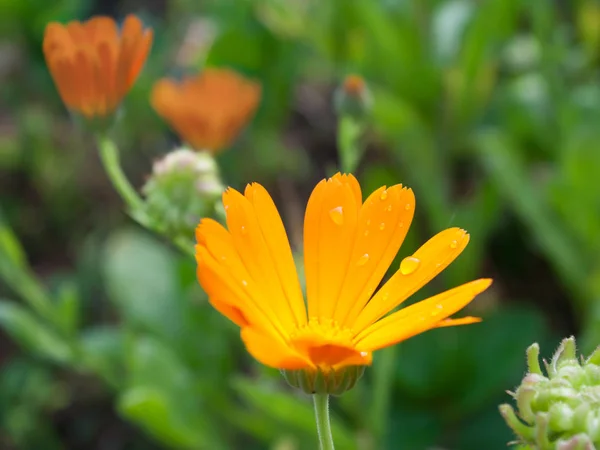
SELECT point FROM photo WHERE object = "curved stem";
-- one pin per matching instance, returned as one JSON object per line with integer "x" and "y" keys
{"x": 110, "y": 158}
{"x": 321, "y": 402}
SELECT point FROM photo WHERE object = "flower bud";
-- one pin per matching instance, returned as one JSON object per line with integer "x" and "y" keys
{"x": 353, "y": 98}
{"x": 559, "y": 410}
{"x": 333, "y": 382}
{"x": 184, "y": 186}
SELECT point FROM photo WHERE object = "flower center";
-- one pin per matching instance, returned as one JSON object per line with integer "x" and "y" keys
{"x": 325, "y": 342}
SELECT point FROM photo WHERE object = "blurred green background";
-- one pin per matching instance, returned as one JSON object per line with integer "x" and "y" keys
{"x": 489, "y": 110}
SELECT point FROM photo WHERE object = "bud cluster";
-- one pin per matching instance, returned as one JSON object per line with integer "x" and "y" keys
{"x": 184, "y": 186}
{"x": 559, "y": 410}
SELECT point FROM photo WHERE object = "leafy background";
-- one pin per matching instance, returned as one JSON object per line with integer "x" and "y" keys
{"x": 489, "y": 110}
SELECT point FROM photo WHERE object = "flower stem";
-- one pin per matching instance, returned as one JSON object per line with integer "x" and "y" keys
{"x": 321, "y": 402}
{"x": 110, "y": 158}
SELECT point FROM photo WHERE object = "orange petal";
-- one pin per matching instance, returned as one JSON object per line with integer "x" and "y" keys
{"x": 419, "y": 317}
{"x": 276, "y": 240}
{"x": 262, "y": 245}
{"x": 223, "y": 276}
{"x": 433, "y": 257}
{"x": 234, "y": 300}
{"x": 383, "y": 222}
{"x": 87, "y": 89}
{"x": 330, "y": 227}
{"x": 456, "y": 322}
{"x": 272, "y": 352}
{"x": 356, "y": 359}
{"x": 233, "y": 313}
{"x": 134, "y": 48}
{"x": 208, "y": 110}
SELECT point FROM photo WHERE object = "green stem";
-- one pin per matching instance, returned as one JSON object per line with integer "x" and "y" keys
{"x": 109, "y": 154}
{"x": 110, "y": 158}
{"x": 321, "y": 402}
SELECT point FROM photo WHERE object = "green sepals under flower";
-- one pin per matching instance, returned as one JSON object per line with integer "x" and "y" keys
{"x": 184, "y": 187}
{"x": 333, "y": 382}
{"x": 97, "y": 124}
{"x": 559, "y": 410}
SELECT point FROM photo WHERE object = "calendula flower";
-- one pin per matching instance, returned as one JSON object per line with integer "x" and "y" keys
{"x": 208, "y": 110}
{"x": 93, "y": 64}
{"x": 249, "y": 275}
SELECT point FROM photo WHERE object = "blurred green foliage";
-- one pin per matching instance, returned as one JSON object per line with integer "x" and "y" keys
{"x": 488, "y": 110}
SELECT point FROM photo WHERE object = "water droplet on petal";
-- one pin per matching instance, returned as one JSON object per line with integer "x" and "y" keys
{"x": 401, "y": 224}
{"x": 385, "y": 296}
{"x": 383, "y": 195}
{"x": 363, "y": 260}
{"x": 409, "y": 265}
{"x": 382, "y": 226}
{"x": 364, "y": 354}
{"x": 244, "y": 231}
{"x": 244, "y": 282}
{"x": 389, "y": 208}
{"x": 366, "y": 232}
{"x": 368, "y": 222}
{"x": 407, "y": 207}
{"x": 434, "y": 313}
{"x": 453, "y": 244}
{"x": 337, "y": 215}
{"x": 438, "y": 265}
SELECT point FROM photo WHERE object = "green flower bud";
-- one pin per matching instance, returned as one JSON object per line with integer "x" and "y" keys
{"x": 184, "y": 187}
{"x": 559, "y": 410}
{"x": 353, "y": 98}
{"x": 333, "y": 382}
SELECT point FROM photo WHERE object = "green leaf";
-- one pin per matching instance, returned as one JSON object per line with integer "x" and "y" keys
{"x": 289, "y": 410}
{"x": 157, "y": 413}
{"x": 162, "y": 396}
{"x": 102, "y": 352}
{"x": 141, "y": 278}
{"x": 66, "y": 308}
{"x": 32, "y": 334}
{"x": 501, "y": 157}
{"x": 10, "y": 247}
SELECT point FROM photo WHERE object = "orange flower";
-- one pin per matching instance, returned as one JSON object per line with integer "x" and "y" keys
{"x": 208, "y": 110}
{"x": 250, "y": 277}
{"x": 92, "y": 64}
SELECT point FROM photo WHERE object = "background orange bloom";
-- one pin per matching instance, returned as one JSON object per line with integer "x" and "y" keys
{"x": 93, "y": 64}
{"x": 208, "y": 110}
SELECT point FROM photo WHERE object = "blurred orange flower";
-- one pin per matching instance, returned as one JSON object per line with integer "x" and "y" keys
{"x": 250, "y": 276}
{"x": 93, "y": 64}
{"x": 207, "y": 110}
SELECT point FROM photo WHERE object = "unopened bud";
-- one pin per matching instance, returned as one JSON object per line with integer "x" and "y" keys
{"x": 353, "y": 98}
{"x": 560, "y": 410}
{"x": 333, "y": 382}
{"x": 184, "y": 187}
